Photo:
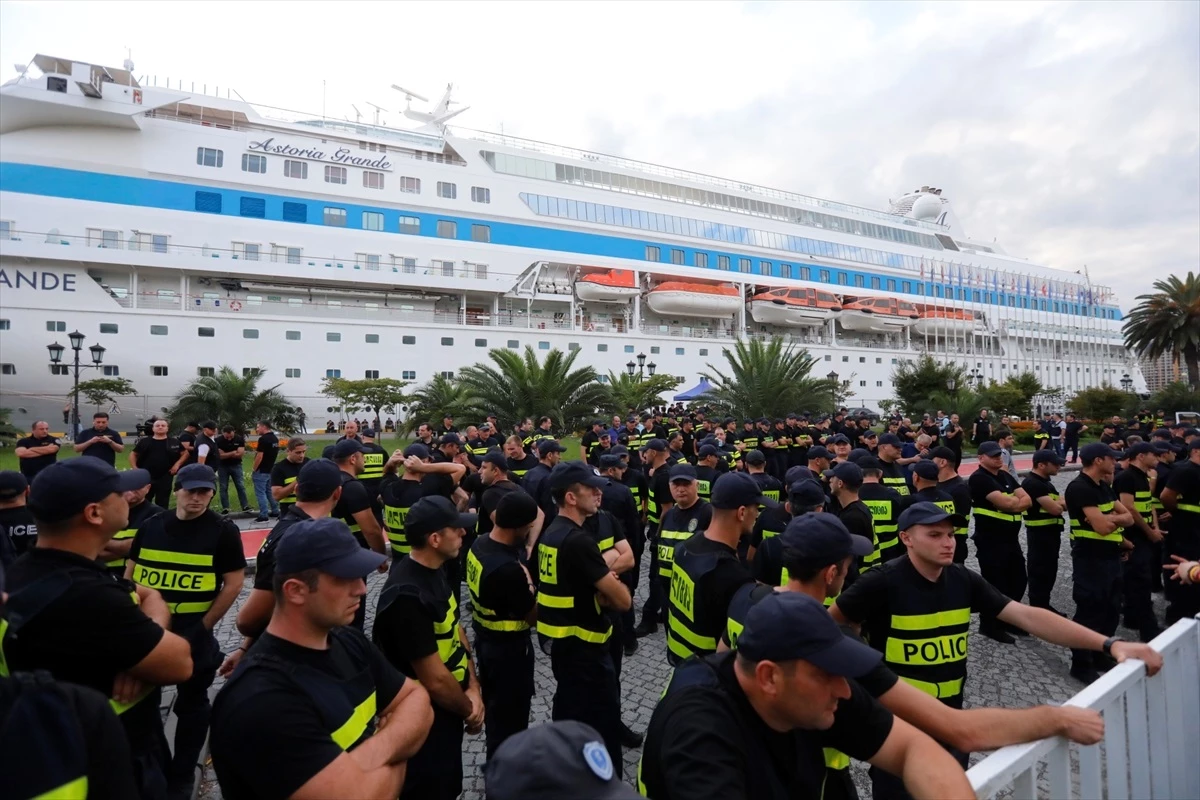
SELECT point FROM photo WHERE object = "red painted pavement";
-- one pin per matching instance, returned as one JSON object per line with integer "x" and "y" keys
{"x": 252, "y": 540}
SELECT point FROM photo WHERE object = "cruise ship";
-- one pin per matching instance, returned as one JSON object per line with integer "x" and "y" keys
{"x": 184, "y": 229}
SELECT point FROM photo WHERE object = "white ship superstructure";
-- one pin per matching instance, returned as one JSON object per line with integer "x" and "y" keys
{"x": 185, "y": 231}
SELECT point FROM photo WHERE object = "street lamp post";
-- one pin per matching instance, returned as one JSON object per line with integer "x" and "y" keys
{"x": 56, "y": 354}
{"x": 833, "y": 384}
{"x": 950, "y": 384}
{"x": 1126, "y": 382}
{"x": 639, "y": 369}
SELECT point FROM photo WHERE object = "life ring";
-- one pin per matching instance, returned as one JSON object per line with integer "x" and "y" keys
{"x": 235, "y": 305}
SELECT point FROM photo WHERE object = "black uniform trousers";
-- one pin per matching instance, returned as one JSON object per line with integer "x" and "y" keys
{"x": 1182, "y": 601}
{"x": 587, "y": 691}
{"x": 1044, "y": 544}
{"x": 1002, "y": 564}
{"x": 505, "y": 666}
{"x": 655, "y": 607}
{"x": 192, "y": 707}
{"x": 160, "y": 490}
{"x": 435, "y": 771}
{"x": 1097, "y": 595}
{"x": 1138, "y": 583}
{"x": 960, "y": 548}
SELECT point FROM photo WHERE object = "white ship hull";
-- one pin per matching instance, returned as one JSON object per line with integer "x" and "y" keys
{"x": 769, "y": 312}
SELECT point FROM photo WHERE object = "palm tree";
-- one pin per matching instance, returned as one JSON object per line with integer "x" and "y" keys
{"x": 767, "y": 380}
{"x": 434, "y": 400}
{"x": 1168, "y": 322}
{"x": 634, "y": 393}
{"x": 516, "y": 386}
{"x": 233, "y": 399}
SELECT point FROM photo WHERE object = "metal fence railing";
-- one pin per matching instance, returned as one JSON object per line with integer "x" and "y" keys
{"x": 1151, "y": 745}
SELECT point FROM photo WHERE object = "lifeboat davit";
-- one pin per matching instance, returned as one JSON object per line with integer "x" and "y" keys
{"x": 614, "y": 286}
{"x": 693, "y": 299}
{"x": 946, "y": 322}
{"x": 795, "y": 307}
{"x": 878, "y": 315}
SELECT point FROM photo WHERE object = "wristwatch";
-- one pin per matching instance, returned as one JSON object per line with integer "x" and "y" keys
{"x": 1108, "y": 643}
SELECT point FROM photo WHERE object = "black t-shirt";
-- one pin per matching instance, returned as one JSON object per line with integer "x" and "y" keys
{"x": 1036, "y": 486}
{"x": 618, "y": 500}
{"x": 982, "y": 483}
{"x": 188, "y": 438}
{"x": 404, "y": 622}
{"x": 30, "y": 467}
{"x": 770, "y": 523}
{"x": 659, "y": 484}
{"x": 268, "y": 738}
{"x": 268, "y": 445}
{"x": 718, "y": 586}
{"x": 932, "y": 430}
{"x": 99, "y": 450}
{"x": 580, "y": 565}
{"x": 227, "y": 446}
{"x": 354, "y": 499}
{"x": 958, "y": 489}
{"x": 701, "y": 740}
{"x": 1185, "y": 482}
{"x": 264, "y": 565}
{"x": 19, "y": 527}
{"x": 157, "y": 456}
{"x": 1073, "y": 429}
{"x": 285, "y": 473}
{"x": 1081, "y": 493}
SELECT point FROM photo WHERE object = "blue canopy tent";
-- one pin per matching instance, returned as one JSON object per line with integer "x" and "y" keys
{"x": 696, "y": 392}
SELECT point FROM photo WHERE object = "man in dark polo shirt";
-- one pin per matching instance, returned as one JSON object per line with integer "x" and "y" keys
{"x": 82, "y": 625}
{"x": 36, "y": 451}
{"x": 100, "y": 441}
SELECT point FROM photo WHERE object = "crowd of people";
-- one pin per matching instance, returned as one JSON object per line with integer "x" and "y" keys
{"x": 809, "y": 573}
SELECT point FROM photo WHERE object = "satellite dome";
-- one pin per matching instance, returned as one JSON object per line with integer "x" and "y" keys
{"x": 926, "y": 206}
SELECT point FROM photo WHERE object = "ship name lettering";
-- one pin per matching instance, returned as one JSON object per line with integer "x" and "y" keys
{"x": 343, "y": 155}
{"x": 38, "y": 281}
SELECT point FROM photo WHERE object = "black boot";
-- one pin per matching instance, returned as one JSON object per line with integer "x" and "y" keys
{"x": 629, "y": 737}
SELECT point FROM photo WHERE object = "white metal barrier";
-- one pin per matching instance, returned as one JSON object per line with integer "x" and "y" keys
{"x": 1151, "y": 745}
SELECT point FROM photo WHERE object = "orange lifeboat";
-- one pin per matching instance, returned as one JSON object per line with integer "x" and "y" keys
{"x": 795, "y": 307}
{"x": 693, "y": 299}
{"x": 878, "y": 315}
{"x": 943, "y": 321}
{"x": 613, "y": 286}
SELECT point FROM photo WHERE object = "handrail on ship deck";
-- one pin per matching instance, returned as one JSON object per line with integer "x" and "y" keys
{"x": 1151, "y": 729}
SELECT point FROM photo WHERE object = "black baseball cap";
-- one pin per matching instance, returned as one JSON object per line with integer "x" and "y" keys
{"x": 737, "y": 489}
{"x": 818, "y": 536}
{"x": 432, "y": 513}
{"x": 706, "y": 451}
{"x": 568, "y": 473}
{"x": 797, "y": 473}
{"x": 549, "y": 762}
{"x": 848, "y": 473}
{"x": 320, "y": 475}
{"x": 791, "y": 626}
{"x": 608, "y": 461}
{"x": 495, "y": 458}
{"x": 1048, "y": 456}
{"x": 889, "y": 438}
{"x": 1139, "y": 449}
{"x": 367, "y": 433}
{"x": 450, "y": 438}
{"x": 756, "y": 457}
{"x": 943, "y": 452}
{"x": 818, "y": 451}
{"x": 618, "y": 450}
{"x": 806, "y": 492}
{"x": 326, "y": 545}
{"x": 547, "y": 446}
{"x": 417, "y": 449}
{"x": 928, "y": 514}
{"x": 1193, "y": 445}
{"x": 516, "y": 509}
{"x": 927, "y": 470}
{"x": 12, "y": 484}
{"x": 839, "y": 438}
{"x": 1090, "y": 452}
{"x": 873, "y": 435}
{"x": 194, "y": 476}
{"x": 64, "y": 489}
{"x": 346, "y": 448}
{"x": 208, "y": 425}
{"x": 990, "y": 449}
{"x": 683, "y": 472}
{"x": 868, "y": 461}
{"x": 655, "y": 444}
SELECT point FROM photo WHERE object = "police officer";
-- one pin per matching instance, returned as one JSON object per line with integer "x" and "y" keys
{"x": 69, "y": 616}
{"x": 706, "y": 470}
{"x": 1134, "y": 489}
{"x": 998, "y": 502}
{"x": 553, "y": 761}
{"x": 659, "y": 500}
{"x": 756, "y": 466}
{"x": 1043, "y": 526}
{"x": 503, "y": 610}
{"x": 884, "y": 505}
{"x": 194, "y": 559}
{"x": 845, "y": 482}
{"x": 589, "y": 445}
{"x": 536, "y": 482}
{"x": 371, "y": 476}
{"x": 574, "y": 583}
{"x": 400, "y": 495}
{"x": 1181, "y": 497}
{"x": 767, "y": 557}
{"x": 687, "y": 516}
{"x": 889, "y": 457}
{"x": 141, "y": 509}
{"x": 417, "y": 628}
{"x": 628, "y": 511}
{"x": 518, "y": 462}
{"x": 1042, "y": 434}
{"x": 285, "y": 473}
{"x": 310, "y": 690}
{"x": 953, "y": 484}
{"x": 18, "y": 528}
{"x": 355, "y": 507}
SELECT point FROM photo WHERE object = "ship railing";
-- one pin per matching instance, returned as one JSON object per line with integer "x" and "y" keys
{"x": 1151, "y": 726}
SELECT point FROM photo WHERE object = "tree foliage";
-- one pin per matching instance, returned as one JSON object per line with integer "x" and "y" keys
{"x": 437, "y": 398}
{"x": 233, "y": 399}
{"x": 1172, "y": 398}
{"x": 1006, "y": 398}
{"x": 767, "y": 379}
{"x": 916, "y": 383}
{"x": 373, "y": 394}
{"x": 627, "y": 393}
{"x": 104, "y": 391}
{"x": 1167, "y": 321}
{"x": 517, "y": 385}
{"x": 8, "y": 431}
{"x": 1099, "y": 402}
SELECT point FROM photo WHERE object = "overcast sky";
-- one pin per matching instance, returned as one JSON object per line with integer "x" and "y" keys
{"x": 1068, "y": 132}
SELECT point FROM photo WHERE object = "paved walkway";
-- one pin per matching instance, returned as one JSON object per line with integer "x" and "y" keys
{"x": 1027, "y": 673}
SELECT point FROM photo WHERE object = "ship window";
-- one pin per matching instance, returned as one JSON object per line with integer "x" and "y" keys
{"x": 703, "y": 351}
{"x": 875, "y": 283}
{"x": 249, "y": 333}
{"x": 295, "y": 169}
{"x": 764, "y": 268}
{"x": 804, "y": 273}
{"x": 481, "y": 194}
{"x": 292, "y": 336}
{"x": 335, "y": 174}
{"x": 572, "y": 346}
{"x": 254, "y": 163}
{"x": 513, "y": 344}
{"x": 55, "y": 326}
{"x": 158, "y": 372}
{"x": 823, "y": 276}
{"x": 447, "y": 341}
{"x": 543, "y": 345}
{"x": 785, "y": 270}
{"x": 679, "y": 351}
{"x": 158, "y": 330}
{"x": 250, "y": 252}
{"x": 5, "y": 325}
{"x": 291, "y": 372}
{"x": 842, "y": 279}
{"x": 601, "y": 348}
{"x": 723, "y": 262}
{"x": 652, "y": 253}
{"x": 676, "y": 256}
{"x": 372, "y": 180}
{"x": 253, "y": 207}
{"x": 447, "y": 190}
{"x": 448, "y": 375}
{"x": 111, "y": 371}
{"x": 655, "y": 350}
{"x": 862, "y": 360}
{"x": 629, "y": 348}
{"x": 743, "y": 265}
{"x": 208, "y": 202}
{"x": 846, "y": 358}
{"x": 8, "y": 369}
{"x": 408, "y": 375}
{"x": 335, "y": 216}
{"x": 447, "y": 229}
{"x": 206, "y": 372}
{"x": 206, "y": 333}
{"x": 891, "y": 284}
{"x": 371, "y": 374}
{"x": 295, "y": 212}
{"x": 333, "y": 373}
{"x": 410, "y": 225}
{"x": 410, "y": 185}
{"x": 906, "y": 287}
{"x": 108, "y": 327}
{"x": 372, "y": 221}
{"x": 372, "y": 338}
{"x": 210, "y": 157}
{"x": 158, "y": 243}
{"x": 481, "y": 233}
{"x": 55, "y": 84}
{"x": 333, "y": 336}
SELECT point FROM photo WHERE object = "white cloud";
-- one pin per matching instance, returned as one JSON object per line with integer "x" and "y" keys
{"x": 1070, "y": 132}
